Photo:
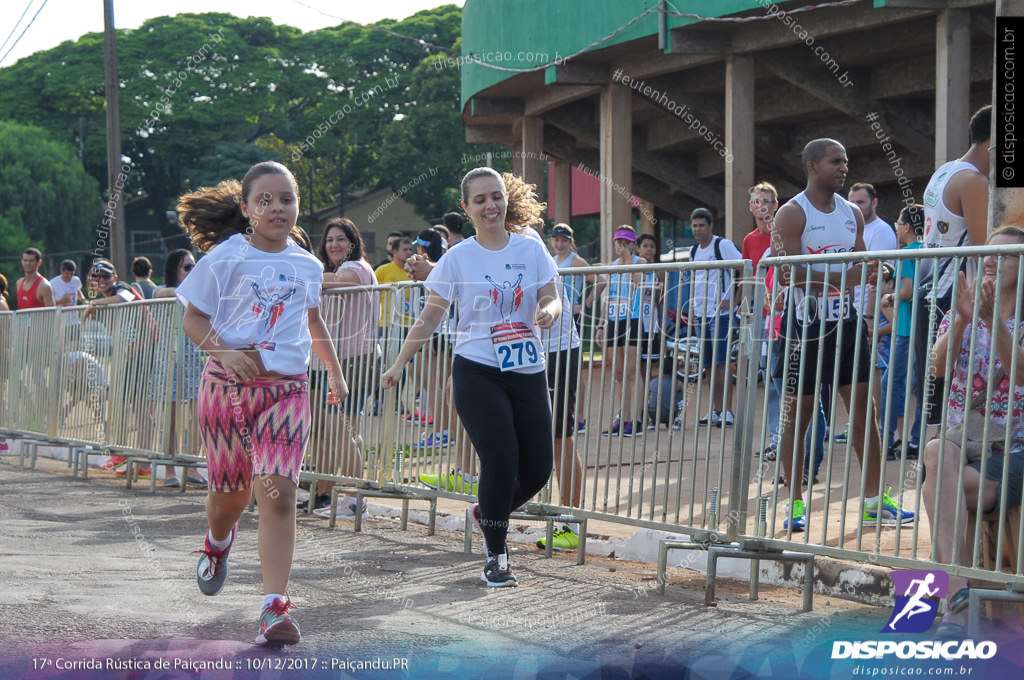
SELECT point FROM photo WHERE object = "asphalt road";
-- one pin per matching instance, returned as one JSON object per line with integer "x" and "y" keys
{"x": 95, "y": 575}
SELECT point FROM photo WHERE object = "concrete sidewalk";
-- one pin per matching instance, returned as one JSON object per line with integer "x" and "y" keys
{"x": 92, "y": 571}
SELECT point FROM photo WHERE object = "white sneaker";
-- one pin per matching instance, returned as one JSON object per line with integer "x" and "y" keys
{"x": 713, "y": 418}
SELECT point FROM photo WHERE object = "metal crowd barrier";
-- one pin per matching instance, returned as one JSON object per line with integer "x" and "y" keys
{"x": 835, "y": 525}
{"x": 128, "y": 381}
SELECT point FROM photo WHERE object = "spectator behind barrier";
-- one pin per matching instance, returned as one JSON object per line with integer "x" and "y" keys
{"x": 352, "y": 323}
{"x": 942, "y": 457}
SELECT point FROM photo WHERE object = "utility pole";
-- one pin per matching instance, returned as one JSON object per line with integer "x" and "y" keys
{"x": 114, "y": 209}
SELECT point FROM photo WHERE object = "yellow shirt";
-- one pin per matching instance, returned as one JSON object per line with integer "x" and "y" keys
{"x": 392, "y": 273}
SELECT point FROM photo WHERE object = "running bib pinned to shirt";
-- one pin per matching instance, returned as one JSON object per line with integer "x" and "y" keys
{"x": 618, "y": 309}
{"x": 837, "y": 307}
{"x": 514, "y": 346}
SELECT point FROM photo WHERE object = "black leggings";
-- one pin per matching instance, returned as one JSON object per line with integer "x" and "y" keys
{"x": 508, "y": 418}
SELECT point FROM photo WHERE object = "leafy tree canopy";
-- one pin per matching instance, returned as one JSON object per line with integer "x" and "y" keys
{"x": 204, "y": 96}
{"x": 47, "y": 200}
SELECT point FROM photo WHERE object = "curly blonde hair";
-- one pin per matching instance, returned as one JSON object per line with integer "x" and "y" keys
{"x": 212, "y": 214}
{"x": 524, "y": 210}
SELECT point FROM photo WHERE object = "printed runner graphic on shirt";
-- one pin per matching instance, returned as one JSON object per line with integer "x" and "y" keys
{"x": 269, "y": 308}
{"x": 506, "y": 296}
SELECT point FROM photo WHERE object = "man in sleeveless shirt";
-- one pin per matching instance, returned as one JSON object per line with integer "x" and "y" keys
{"x": 33, "y": 290}
{"x": 955, "y": 214}
{"x": 819, "y": 221}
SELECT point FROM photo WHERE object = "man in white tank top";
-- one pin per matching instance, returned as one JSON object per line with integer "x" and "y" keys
{"x": 956, "y": 204}
{"x": 955, "y": 214}
{"x": 818, "y": 221}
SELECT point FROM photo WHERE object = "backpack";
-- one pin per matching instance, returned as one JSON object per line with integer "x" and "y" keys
{"x": 716, "y": 240}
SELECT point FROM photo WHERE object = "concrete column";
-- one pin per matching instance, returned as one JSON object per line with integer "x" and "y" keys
{"x": 531, "y": 153}
{"x": 739, "y": 138}
{"x": 952, "y": 83}
{"x": 562, "y": 197}
{"x": 616, "y": 163}
{"x": 646, "y": 217}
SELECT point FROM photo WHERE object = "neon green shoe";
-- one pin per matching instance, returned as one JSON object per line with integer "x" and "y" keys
{"x": 799, "y": 520}
{"x": 890, "y": 515}
{"x": 453, "y": 481}
{"x": 563, "y": 539}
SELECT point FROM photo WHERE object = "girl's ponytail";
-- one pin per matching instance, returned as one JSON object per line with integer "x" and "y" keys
{"x": 212, "y": 214}
{"x": 523, "y": 208}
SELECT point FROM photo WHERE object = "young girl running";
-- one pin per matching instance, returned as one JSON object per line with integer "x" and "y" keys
{"x": 504, "y": 283}
{"x": 254, "y": 304}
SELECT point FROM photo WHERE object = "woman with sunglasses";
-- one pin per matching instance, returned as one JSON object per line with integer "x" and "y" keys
{"x": 179, "y": 263}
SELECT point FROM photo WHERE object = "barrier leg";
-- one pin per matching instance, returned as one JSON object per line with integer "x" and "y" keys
{"x": 662, "y": 566}
{"x": 709, "y": 585}
{"x": 755, "y": 573}
{"x": 359, "y": 512}
{"x": 334, "y": 508}
{"x": 432, "y": 516}
{"x": 581, "y": 548}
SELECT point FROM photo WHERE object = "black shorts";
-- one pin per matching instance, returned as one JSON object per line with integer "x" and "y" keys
{"x": 796, "y": 352}
{"x": 650, "y": 346}
{"x": 622, "y": 333}
{"x": 563, "y": 373}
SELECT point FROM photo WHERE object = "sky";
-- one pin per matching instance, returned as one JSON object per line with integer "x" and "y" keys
{"x": 60, "y": 20}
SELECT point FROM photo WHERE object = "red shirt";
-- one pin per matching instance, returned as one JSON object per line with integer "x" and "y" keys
{"x": 754, "y": 246}
{"x": 29, "y": 298}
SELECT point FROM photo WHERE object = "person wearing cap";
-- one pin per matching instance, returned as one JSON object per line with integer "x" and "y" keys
{"x": 103, "y": 280}
{"x": 621, "y": 332}
{"x": 105, "y": 289}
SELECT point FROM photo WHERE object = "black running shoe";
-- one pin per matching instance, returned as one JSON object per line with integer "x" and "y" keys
{"x": 497, "y": 573}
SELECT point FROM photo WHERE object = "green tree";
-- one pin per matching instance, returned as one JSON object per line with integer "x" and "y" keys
{"x": 197, "y": 91}
{"x": 424, "y": 154}
{"x": 47, "y": 199}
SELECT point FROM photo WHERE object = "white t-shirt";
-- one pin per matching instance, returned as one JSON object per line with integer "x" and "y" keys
{"x": 563, "y": 335}
{"x": 60, "y": 288}
{"x": 492, "y": 288}
{"x": 258, "y": 300}
{"x": 878, "y": 235}
{"x": 710, "y": 285}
